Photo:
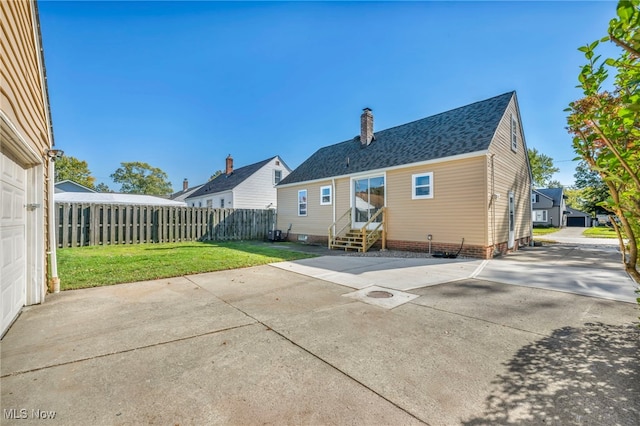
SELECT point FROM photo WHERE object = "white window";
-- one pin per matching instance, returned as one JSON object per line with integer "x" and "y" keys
{"x": 540, "y": 216}
{"x": 422, "y": 186}
{"x": 325, "y": 195}
{"x": 222, "y": 203}
{"x": 514, "y": 133}
{"x": 209, "y": 204}
{"x": 302, "y": 202}
{"x": 277, "y": 176}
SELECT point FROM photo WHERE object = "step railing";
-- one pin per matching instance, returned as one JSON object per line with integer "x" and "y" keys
{"x": 368, "y": 236}
{"x": 335, "y": 234}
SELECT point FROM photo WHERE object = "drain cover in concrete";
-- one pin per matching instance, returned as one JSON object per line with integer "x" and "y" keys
{"x": 382, "y": 297}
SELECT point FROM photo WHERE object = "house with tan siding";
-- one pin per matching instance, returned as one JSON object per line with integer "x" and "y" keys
{"x": 248, "y": 187}
{"x": 459, "y": 180}
{"x": 26, "y": 163}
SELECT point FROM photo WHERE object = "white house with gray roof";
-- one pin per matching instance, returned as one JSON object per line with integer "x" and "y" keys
{"x": 248, "y": 187}
{"x": 458, "y": 180}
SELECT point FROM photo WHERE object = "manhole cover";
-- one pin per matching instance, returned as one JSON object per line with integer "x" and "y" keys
{"x": 378, "y": 294}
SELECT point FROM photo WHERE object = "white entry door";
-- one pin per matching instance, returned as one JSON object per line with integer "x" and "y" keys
{"x": 13, "y": 252}
{"x": 512, "y": 217}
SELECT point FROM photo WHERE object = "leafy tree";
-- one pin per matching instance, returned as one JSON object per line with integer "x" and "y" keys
{"x": 102, "y": 187}
{"x": 70, "y": 168}
{"x": 606, "y": 125}
{"x": 593, "y": 189}
{"x": 215, "y": 175}
{"x": 141, "y": 178}
{"x": 575, "y": 198}
{"x": 554, "y": 184}
{"x": 542, "y": 168}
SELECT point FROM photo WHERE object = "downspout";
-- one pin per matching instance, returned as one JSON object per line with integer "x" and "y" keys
{"x": 493, "y": 205}
{"x": 334, "y": 199}
{"x": 53, "y": 281}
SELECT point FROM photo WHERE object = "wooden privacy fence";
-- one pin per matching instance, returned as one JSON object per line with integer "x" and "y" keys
{"x": 101, "y": 224}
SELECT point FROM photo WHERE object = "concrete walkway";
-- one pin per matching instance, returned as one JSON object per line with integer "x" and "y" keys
{"x": 579, "y": 269}
{"x": 266, "y": 345}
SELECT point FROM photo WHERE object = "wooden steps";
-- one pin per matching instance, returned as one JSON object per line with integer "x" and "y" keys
{"x": 353, "y": 240}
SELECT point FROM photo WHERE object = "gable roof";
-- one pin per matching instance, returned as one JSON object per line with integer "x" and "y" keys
{"x": 544, "y": 195}
{"x": 68, "y": 185}
{"x": 459, "y": 131}
{"x": 224, "y": 182}
{"x": 184, "y": 194}
{"x": 556, "y": 194}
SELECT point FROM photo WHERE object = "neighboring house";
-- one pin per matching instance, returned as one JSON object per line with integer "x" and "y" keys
{"x": 71, "y": 186}
{"x": 249, "y": 187}
{"x": 185, "y": 193}
{"x": 461, "y": 174}
{"x": 549, "y": 207}
{"x": 577, "y": 218}
{"x": 114, "y": 198}
{"x": 26, "y": 168}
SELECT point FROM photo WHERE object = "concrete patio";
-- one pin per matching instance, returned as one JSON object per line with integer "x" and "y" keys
{"x": 268, "y": 345}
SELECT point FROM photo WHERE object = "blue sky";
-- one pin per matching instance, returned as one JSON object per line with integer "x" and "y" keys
{"x": 180, "y": 85}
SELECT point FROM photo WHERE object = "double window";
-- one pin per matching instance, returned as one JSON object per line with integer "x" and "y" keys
{"x": 540, "y": 216}
{"x": 422, "y": 186}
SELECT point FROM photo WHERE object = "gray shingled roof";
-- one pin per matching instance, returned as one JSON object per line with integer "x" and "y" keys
{"x": 460, "y": 131}
{"x": 226, "y": 182}
{"x": 555, "y": 194}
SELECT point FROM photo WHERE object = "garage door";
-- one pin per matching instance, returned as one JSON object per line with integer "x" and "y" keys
{"x": 13, "y": 268}
{"x": 577, "y": 221}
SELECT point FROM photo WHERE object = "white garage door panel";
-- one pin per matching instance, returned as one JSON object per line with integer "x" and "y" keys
{"x": 13, "y": 262}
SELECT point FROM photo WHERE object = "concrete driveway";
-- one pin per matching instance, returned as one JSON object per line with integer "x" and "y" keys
{"x": 268, "y": 345}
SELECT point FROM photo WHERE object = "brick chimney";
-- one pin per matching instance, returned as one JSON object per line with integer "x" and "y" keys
{"x": 366, "y": 127}
{"x": 185, "y": 184}
{"x": 229, "y": 168}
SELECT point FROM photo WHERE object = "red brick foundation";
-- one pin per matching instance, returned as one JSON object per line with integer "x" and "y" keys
{"x": 476, "y": 251}
{"x": 482, "y": 252}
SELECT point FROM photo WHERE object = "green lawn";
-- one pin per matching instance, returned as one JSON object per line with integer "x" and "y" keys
{"x": 600, "y": 232}
{"x": 94, "y": 266}
{"x": 543, "y": 231}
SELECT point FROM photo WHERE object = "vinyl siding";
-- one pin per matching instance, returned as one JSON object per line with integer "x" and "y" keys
{"x": 21, "y": 90}
{"x": 318, "y": 218}
{"x": 25, "y": 123}
{"x": 511, "y": 174}
{"x": 215, "y": 200}
{"x": 457, "y": 209}
{"x": 259, "y": 191}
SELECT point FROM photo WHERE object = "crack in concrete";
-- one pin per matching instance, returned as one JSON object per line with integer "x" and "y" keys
{"x": 181, "y": 339}
{"x": 319, "y": 358}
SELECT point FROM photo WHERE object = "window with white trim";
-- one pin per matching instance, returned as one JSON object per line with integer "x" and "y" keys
{"x": 302, "y": 202}
{"x": 422, "y": 186}
{"x": 222, "y": 203}
{"x": 277, "y": 176}
{"x": 514, "y": 133}
{"x": 325, "y": 195}
{"x": 209, "y": 204}
{"x": 540, "y": 216}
